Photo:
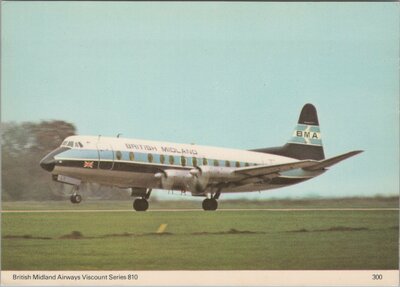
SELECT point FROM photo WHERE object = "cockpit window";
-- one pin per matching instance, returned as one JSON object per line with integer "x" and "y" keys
{"x": 72, "y": 144}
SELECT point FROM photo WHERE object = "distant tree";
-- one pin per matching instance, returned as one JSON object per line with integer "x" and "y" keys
{"x": 48, "y": 135}
{"x": 23, "y": 145}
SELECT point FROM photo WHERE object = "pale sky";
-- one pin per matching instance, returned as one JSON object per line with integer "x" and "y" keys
{"x": 224, "y": 74}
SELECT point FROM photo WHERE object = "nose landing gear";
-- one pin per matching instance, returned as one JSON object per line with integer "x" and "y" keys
{"x": 76, "y": 198}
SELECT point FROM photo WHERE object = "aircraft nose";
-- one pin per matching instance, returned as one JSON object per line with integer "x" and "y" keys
{"x": 48, "y": 163}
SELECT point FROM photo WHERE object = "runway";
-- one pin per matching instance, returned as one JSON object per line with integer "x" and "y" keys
{"x": 201, "y": 210}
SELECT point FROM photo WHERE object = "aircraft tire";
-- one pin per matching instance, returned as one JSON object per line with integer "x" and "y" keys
{"x": 140, "y": 204}
{"x": 76, "y": 198}
{"x": 214, "y": 204}
{"x": 210, "y": 204}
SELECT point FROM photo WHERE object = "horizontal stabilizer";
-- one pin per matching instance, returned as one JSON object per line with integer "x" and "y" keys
{"x": 273, "y": 169}
{"x": 331, "y": 161}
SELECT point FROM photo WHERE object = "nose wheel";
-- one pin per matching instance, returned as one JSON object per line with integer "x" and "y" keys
{"x": 76, "y": 198}
{"x": 210, "y": 204}
{"x": 140, "y": 204}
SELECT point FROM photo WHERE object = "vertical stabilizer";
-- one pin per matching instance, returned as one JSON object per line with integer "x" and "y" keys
{"x": 307, "y": 130}
{"x": 306, "y": 141}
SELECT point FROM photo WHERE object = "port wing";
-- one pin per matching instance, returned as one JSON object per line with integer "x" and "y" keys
{"x": 274, "y": 169}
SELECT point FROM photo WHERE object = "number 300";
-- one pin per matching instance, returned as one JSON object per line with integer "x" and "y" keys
{"x": 377, "y": 276}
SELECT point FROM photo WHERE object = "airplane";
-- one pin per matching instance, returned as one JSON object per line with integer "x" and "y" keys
{"x": 143, "y": 165}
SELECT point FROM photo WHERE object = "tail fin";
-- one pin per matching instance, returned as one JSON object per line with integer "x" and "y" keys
{"x": 306, "y": 142}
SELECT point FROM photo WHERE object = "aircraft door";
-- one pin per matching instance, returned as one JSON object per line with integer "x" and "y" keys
{"x": 106, "y": 155}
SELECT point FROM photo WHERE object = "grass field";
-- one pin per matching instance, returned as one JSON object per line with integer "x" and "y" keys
{"x": 352, "y": 202}
{"x": 197, "y": 240}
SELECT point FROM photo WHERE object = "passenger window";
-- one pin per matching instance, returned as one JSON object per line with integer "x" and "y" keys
{"x": 216, "y": 163}
{"x": 183, "y": 160}
{"x": 162, "y": 158}
{"x": 150, "y": 157}
{"x": 205, "y": 162}
{"x": 246, "y": 164}
{"x": 119, "y": 155}
{"x": 131, "y": 156}
{"x": 70, "y": 144}
{"x": 80, "y": 144}
{"x": 237, "y": 164}
{"x": 194, "y": 161}
{"x": 171, "y": 159}
{"x": 227, "y": 163}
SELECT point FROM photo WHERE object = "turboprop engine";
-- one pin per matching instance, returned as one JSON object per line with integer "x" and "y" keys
{"x": 175, "y": 179}
{"x": 194, "y": 180}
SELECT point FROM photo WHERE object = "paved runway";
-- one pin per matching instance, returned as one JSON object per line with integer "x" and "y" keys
{"x": 201, "y": 210}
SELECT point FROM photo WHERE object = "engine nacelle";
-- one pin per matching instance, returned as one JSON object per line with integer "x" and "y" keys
{"x": 204, "y": 175}
{"x": 213, "y": 173}
{"x": 175, "y": 179}
{"x": 194, "y": 180}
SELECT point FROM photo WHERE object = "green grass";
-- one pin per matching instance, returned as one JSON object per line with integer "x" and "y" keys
{"x": 197, "y": 240}
{"x": 352, "y": 202}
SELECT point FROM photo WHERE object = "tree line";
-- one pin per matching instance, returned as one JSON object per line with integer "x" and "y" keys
{"x": 23, "y": 146}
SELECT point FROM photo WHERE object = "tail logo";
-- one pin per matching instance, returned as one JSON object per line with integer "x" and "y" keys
{"x": 306, "y": 134}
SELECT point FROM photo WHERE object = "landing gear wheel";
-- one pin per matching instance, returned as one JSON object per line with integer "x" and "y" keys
{"x": 140, "y": 204}
{"x": 76, "y": 198}
{"x": 210, "y": 204}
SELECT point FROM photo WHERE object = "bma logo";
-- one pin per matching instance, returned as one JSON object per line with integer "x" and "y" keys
{"x": 308, "y": 135}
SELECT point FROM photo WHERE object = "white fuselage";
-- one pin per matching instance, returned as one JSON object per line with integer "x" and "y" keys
{"x": 133, "y": 163}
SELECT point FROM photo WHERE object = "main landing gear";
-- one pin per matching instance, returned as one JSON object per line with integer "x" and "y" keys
{"x": 141, "y": 203}
{"x": 211, "y": 204}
